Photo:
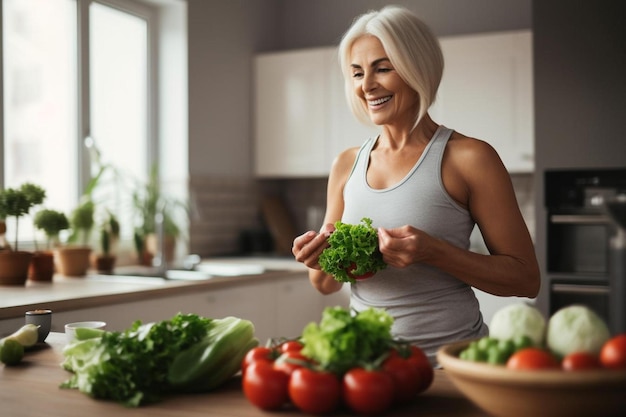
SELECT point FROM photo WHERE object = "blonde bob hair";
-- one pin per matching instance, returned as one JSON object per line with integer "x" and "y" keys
{"x": 411, "y": 47}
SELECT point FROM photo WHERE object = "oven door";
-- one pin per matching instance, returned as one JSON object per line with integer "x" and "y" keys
{"x": 594, "y": 296}
{"x": 578, "y": 244}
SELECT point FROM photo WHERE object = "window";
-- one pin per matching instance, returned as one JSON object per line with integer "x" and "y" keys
{"x": 77, "y": 73}
{"x": 40, "y": 106}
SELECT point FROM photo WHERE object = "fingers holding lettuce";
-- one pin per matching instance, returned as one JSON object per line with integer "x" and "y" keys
{"x": 352, "y": 252}
{"x": 403, "y": 246}
{"x": 308, "y": 247}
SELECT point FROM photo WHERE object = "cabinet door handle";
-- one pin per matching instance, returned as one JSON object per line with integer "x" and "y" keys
{"x": 579, "y": 219}
{"x": 580, "y": 289}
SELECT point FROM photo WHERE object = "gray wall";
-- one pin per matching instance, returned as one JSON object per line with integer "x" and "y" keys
{"x": 580, "y": 93}
{"x": 223, "y": 37}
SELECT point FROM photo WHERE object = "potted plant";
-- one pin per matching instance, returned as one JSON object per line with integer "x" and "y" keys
{"x": 151, "y": 203}
{"x": 17, "y": 202}
{"x": 51, "y": 222}
{"x": 104, "y": 259}
{"x": 73, "y": 259}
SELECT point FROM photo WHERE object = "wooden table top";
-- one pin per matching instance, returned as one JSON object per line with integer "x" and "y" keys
{"x": 32, "y": 389}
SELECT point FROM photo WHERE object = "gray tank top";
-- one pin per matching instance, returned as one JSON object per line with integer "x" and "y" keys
{"x": 430, "y": 307}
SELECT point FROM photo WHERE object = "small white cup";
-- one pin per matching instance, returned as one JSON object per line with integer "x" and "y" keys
{"x": 70, "y": 328}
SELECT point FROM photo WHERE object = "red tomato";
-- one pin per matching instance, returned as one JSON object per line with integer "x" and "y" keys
{"x": 577, "y": 361}
{"x": 532, "y": 358}
{"x": 313, "y": 391}
{"x": 405, "y": 375}
{"x": 368, "y": 391}
{"x": 291, "y": 345}
{"x": 264, "y": 386}
{"x": 613, "y": 353}
{"x": 259, "y": 353}
{"x": 352, "y": 267}
{"x": 290, "y": 361}
{"x": 419, "y": 358}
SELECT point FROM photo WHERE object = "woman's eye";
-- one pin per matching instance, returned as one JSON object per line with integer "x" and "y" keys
{"x": 357, "y": 74}
{"x": 384, "y": 69}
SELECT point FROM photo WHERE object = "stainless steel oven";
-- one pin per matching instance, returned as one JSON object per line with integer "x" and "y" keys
{"x": 579, "y": 232}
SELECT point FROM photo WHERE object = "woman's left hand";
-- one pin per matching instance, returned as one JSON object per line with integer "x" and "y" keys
{"x": 402, "y": 246}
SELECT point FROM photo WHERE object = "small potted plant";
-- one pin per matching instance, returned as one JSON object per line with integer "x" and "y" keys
{"x": 17, "y": 202}
{"x": 73, "y": 259}
{"x": 149, "y": 201}
{"x": 104, "y": 259}
{"x": 51, "y": 222}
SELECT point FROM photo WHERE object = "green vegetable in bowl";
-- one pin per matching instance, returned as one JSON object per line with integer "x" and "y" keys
{"x": 576, "y": 328}
{"x": 353, "y": 252}
{"x": 517, "y": 320}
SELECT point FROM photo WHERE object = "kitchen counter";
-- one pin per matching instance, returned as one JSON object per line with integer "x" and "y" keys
{"x": 64, "y": 293}
{"x": 274, "y": 293}
{"x": 71, "y": 293}
{"x": 32, "y": 389}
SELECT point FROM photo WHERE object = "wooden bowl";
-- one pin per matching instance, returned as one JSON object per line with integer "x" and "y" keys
{"x": 538, "y": 393}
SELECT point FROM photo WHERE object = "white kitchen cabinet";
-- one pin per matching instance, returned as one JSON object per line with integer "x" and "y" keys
{"x": 302, "y": 120}
{"x": 487, "y": 92}
{"x": 290, "y": 102}
{"x": 298, "y": 304}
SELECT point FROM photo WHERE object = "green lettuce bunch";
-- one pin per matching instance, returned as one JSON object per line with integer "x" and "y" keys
{"x": 343, "y": 340}
{"x": 353, "y": 252}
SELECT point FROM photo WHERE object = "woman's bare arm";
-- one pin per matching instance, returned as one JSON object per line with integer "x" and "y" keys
{"x": 308, "y": 247}
{"x": 474, "y": 176}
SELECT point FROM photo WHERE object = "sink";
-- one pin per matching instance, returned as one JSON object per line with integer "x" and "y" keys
{"x": 206, "y": 269}
{"x": 230, "y": 269}
{"x": 127, "y": 279}
{"x": 201, "y": 272}
{"x": 138, "y": 273}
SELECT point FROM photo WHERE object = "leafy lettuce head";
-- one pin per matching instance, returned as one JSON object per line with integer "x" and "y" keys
{"x": 353, "y": 252}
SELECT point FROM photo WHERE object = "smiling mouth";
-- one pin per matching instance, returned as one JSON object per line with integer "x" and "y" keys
{"x": 378, "y": 101}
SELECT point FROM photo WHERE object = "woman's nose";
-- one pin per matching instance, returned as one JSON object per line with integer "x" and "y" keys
{"x": 369, "y": 82}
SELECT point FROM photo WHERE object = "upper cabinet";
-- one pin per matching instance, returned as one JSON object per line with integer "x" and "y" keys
{"x": 290, "y": 105}
{"x": 487, "y": 93}
{"x": 302, "y": 119}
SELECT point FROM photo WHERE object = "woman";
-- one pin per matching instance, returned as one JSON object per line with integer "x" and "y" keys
{"x": 425, "y": 187}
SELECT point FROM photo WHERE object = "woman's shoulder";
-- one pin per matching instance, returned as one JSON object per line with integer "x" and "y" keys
{"x": 345, "y": 159}
{"x": 470, "y": 151}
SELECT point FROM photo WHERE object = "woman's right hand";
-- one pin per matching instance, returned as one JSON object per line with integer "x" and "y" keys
{"x": 308, "y": 247}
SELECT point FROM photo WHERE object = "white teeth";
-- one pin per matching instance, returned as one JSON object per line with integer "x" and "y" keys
{"x": 379, "y": 101}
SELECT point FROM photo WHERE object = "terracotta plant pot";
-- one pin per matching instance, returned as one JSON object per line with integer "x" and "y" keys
{"x": 14, "y": 267}
{"x": 145, "y": 258}
{"x": 41, "y": 267}
{"x": 169, "y": 246}
{"x": 103, "y": 263}
{"x": 73, "y": 261}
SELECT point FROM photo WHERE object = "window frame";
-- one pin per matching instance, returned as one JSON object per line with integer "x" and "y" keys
{"x": 140, "y": 9}
{"x": 148, "y": 14}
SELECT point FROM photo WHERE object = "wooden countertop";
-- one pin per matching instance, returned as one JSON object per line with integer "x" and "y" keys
{"x": 32, "y": 389}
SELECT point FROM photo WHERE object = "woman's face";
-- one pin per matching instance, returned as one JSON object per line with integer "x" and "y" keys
{"x": 388, "y": 99}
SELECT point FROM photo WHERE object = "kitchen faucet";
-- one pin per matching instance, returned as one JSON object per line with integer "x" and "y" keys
{"x": 159, "y": 260}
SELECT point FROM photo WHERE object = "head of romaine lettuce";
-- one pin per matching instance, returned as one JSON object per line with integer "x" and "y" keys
{"x": 353, "y": 251}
